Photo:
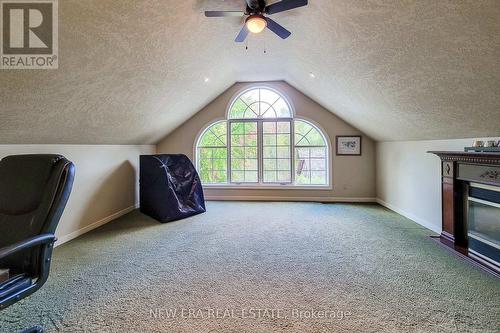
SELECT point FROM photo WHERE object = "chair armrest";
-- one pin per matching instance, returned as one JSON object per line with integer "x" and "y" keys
{"x": 27, "y": 243}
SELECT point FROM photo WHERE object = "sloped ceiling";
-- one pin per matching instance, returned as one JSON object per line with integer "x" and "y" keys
{"x": 132, "y": 71}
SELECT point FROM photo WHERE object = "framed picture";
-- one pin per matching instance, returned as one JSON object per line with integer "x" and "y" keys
{"x": 348, "y": 145}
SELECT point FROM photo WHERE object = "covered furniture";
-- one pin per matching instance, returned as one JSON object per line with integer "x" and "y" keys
{"x": 170, "y": 188}
{"x": 34, "y": 190}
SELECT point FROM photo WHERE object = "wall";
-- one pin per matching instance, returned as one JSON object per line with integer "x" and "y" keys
{"x": 105, "y": 186}
{"x": 409, "y": 178}
{"x": 353, "y": 176}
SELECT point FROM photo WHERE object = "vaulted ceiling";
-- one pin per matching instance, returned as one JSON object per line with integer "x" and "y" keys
{"x": 132, "y": 71}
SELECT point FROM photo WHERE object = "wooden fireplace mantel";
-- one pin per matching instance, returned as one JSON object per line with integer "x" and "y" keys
{"x": 458, "y": 170}
{"x": 468, "y": 157}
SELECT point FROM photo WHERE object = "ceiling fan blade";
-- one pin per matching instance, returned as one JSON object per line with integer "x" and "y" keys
{"x": 284, "y": 5}
{"x": 277, "y": 28}
{"x": 222, "y": 13}
{"x": 242, "y": 35}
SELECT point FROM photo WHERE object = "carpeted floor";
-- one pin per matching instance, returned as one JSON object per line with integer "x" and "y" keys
{"x": 261, "y": 267}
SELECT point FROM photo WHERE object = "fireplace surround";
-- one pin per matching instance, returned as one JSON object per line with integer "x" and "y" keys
{"x": 471, "y": 206}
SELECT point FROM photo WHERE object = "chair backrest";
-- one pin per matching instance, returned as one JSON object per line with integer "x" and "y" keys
{"x": 34, "y": 190}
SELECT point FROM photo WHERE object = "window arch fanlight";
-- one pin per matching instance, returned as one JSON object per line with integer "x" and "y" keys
{"x": 259, "y": 103}
{"x": 262, "y": 144}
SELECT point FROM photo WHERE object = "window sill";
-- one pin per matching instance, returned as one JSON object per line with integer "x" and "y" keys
{"x": 268, "y": 187}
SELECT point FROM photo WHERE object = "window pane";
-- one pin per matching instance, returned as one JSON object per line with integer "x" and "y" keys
{"x": 209, "y": 140}
{"x": 307, "y": 135}
{"x": 283, "y": 164}
{"x": 282, "y": 109}
{"x": 205, "y": 176}
{"x": 219, "y": 153}
{"x": 220, "y": 164}
{"x": 252, "y": 111}
{"x": 251, "y": 152}
{"x": 260, "y": 103}
{"x": 214, "y": 136}
{"x": 237, "y": 140}
{"x": 283, "y": 127}
{"x": 302, "y": 152}
{"x": 238, "y": 176}
{"x": 318, "y": 177}
{"x": 277, "y": 162}
{"x": 205, "y": 164}
{"x": 250, "y": 140}
{"x": 237, "y": 152}
{"x": 244, "y": 153}
{"x": 270, "y": 164}
{"x": 250, "y": 96}
{"x": 212, "y": 165}
{"x": 269, "y": 127}
{"x": 212, "y": 154}
{"x": 270, "y": 176}
{"x": 205, "y": 153}
{"x": 283, "y": 139}
{"x": 237, "y": 164}
{"x": 309, "y": 169}
{"x": 219, "y": 177}
{"x": 267, "y": 111}
{"x": 284, "y": 177}
{"x": 317, "y": 165}
{"x": 268, "y": 96}
{"x": 303, "y": 179}
{"x": 251, "y": 176}
{"x": 269, "y": 139}
{"x": 270, "y": 152}
{"x": 310, "y": 155}
{"x": 250, "y": 127}
{"x": 237, "y": 128}
{"x": 237, "y": 109}
{"x": 251, "y": 164}
{"x": 318, "y": 152}
{"x": 283, "y": 152}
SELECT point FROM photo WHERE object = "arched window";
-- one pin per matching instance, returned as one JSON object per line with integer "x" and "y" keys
{"x": 261, "y": 144}
{"x": 259, "y": 103}
{"x": 212, "y": 154}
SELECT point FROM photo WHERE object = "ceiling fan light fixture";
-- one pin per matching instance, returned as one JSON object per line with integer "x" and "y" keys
{"x": 256, "y": 23}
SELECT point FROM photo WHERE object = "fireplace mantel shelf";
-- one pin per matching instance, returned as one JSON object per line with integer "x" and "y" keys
{"x": 469, "y": 157}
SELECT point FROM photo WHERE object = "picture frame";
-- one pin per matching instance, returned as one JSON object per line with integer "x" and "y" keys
{"x": 348, "y": 145}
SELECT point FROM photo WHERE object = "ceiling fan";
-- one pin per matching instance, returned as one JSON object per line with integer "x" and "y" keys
{"x": 256, "y": 10}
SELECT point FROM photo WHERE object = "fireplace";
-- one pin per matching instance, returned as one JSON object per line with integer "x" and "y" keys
{"x": 470, "y": 183}
{"x": 483, "y": 224}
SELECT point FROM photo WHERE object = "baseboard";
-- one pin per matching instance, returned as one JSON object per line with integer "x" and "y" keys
{"x": 295, "y": 199}
{"x": 66, "y": 238}
{"x": 416, "y": 219}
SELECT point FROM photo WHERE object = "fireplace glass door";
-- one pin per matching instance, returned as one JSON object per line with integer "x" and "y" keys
{"x": 484, "y": 223}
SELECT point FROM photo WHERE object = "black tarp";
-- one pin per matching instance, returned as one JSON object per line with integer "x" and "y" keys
{"x": 170, "y": 188}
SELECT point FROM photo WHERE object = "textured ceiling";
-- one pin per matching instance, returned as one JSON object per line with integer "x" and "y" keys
{"x": 131, "y": 71}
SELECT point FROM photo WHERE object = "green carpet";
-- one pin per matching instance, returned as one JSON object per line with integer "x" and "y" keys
{"x": 261, "y": 267}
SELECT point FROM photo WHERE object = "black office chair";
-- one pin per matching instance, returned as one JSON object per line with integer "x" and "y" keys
{"x": 34, "y": 190}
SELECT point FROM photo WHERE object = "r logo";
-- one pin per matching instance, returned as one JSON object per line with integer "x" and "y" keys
{"x": 29, "y": 34}
{"x": 27, "y": 28}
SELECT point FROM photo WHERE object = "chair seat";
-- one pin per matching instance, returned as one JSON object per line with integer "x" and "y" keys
{"x": 14, "y": 284}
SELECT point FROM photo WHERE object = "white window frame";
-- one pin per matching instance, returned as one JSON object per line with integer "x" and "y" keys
{"x": 261, "y": 184}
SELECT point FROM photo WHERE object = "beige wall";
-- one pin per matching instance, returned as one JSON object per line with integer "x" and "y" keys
{"x": 353, "y": 176}
{"x": 105, "y": 186}
{"x": 409, "y": 178}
